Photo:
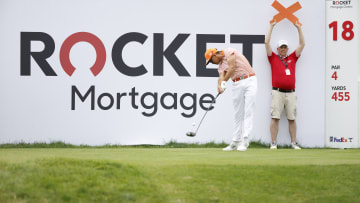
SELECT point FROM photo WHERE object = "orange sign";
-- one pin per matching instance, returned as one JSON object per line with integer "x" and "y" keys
{"x": 286, "y": 12}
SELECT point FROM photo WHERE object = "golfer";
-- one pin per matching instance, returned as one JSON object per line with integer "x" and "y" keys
{"x": 283, "y": 82}
{"x": 234, "y": 65}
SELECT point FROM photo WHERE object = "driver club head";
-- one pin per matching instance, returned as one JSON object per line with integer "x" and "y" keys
{"x": 190, "y": 134}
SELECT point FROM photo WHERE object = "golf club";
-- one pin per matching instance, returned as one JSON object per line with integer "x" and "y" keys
{"x": 193, "y": 134}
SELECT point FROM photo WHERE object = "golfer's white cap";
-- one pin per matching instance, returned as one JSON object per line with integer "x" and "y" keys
{"x": 282, "y": 42}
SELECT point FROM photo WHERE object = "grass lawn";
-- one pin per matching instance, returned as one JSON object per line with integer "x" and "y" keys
{"x": 178, "y": 175}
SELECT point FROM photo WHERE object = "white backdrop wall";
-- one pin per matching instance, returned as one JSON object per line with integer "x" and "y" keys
{"x": 38, "y": 107}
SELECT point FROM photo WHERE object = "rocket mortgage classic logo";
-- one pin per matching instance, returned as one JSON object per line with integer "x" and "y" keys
{"x": 149, "y": 101}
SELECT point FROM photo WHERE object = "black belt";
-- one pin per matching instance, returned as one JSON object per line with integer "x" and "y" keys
{"x": 283, "y": 90}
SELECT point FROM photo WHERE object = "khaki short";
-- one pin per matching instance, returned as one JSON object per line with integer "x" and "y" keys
{"x": 281, "y": 100}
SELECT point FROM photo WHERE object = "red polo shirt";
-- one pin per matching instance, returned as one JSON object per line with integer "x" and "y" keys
{"x": 278, "y": 71}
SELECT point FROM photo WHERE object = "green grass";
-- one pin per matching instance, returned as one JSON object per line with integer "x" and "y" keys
{"x": 178, "y": 175}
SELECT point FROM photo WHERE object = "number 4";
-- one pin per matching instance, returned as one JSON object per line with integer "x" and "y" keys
{"x": 334, "y": 75}
{"x": 334, "y": 96}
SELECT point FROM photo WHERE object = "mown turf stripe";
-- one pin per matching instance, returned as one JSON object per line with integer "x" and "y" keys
{"x": 70, "y": 180}
{"x": 234, "y": 183}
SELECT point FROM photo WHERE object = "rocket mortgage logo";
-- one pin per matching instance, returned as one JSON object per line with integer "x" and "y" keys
{"x": 149, "y": 101}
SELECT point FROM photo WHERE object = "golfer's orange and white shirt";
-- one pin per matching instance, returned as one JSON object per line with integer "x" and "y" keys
{"x": 242, "y": 65}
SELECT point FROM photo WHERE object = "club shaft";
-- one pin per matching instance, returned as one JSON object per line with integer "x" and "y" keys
{"x": 206, "y": 112}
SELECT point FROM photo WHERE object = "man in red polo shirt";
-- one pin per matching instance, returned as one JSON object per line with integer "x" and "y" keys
{"x": 234, "y": 65}
{"x": 283, "y": 82}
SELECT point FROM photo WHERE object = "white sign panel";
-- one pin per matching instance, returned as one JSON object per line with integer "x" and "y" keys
{"x": 132, "y": 72}
{"x": 342, "y": 69}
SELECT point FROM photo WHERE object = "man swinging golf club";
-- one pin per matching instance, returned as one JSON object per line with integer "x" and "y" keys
{"x": 234, "y": 65}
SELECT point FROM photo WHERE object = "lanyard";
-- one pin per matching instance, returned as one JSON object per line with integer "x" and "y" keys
{"x": 282, "y": 60}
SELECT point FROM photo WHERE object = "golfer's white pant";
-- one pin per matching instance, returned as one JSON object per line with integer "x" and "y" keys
{"x": 244, "y": 96}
